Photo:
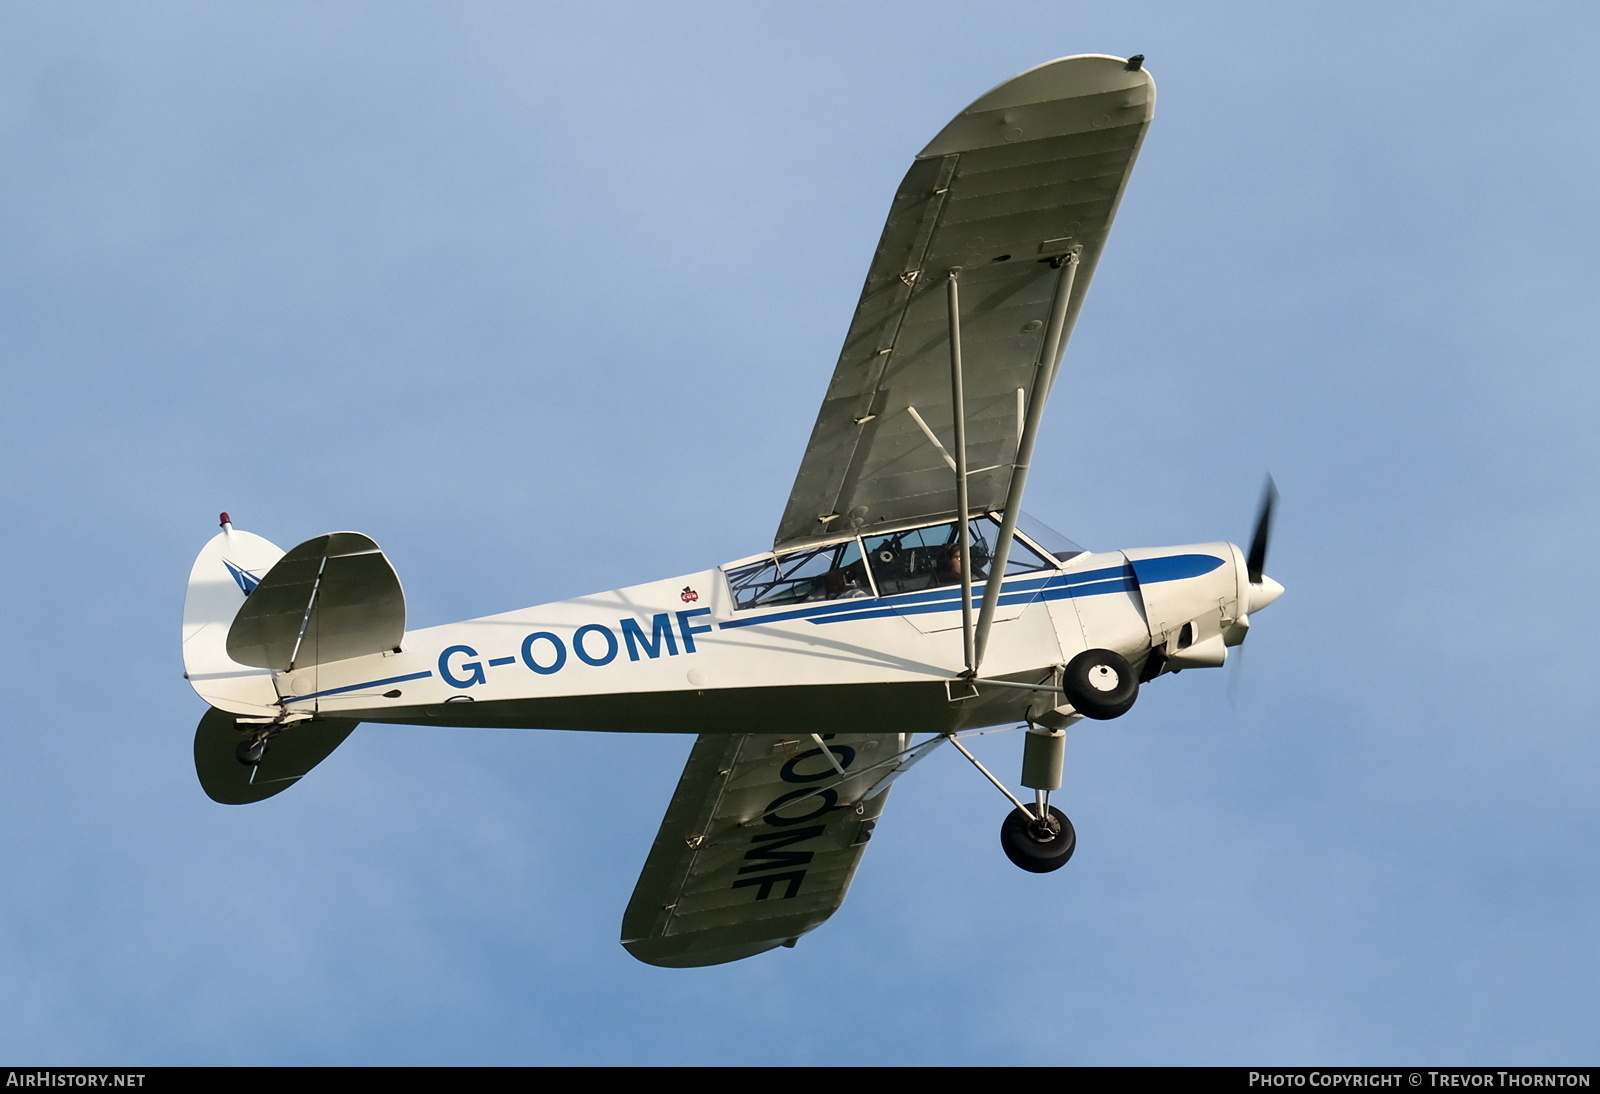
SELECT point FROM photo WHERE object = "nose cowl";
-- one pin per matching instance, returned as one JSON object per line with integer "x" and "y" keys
{"x": 1263, "y": 592}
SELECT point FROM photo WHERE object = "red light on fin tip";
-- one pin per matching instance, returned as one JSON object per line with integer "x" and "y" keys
{"x": 224, "y": 520}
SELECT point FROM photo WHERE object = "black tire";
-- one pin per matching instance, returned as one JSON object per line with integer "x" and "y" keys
{"x": 1100, "y": 684}
{"x": 250, "y": 754}
{"x": 1035, "y": 846}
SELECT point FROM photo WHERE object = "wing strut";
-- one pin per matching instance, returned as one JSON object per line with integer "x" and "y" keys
{"x": 998, "y": 785}
{"x": 1042, "y": 380}
{"x": 958, "y": 405}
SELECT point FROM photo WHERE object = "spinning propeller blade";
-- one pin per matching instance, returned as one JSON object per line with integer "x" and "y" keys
{"x": 1256, "y": 561}
{"x": 1263, "y": 589}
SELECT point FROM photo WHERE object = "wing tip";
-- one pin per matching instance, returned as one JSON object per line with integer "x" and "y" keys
{"x": 1063, "y": 78}
{"x": 685, "y": 953}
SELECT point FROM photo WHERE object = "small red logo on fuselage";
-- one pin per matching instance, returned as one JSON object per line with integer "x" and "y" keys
{"x": 689, "y": 596}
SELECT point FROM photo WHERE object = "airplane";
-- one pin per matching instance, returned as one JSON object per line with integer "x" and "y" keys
{"x": 905, "y": 594}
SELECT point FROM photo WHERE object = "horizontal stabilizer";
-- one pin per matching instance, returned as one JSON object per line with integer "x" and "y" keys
{"x": 332, "y": 597}
{"x": 294, "y": 751}
{"x": 758, "y": 846}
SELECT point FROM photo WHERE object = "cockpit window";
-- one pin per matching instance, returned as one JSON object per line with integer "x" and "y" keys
{"x": 834, "y": 572}
{"x": 923, "y": 558}
{"x": 901, "y": 562}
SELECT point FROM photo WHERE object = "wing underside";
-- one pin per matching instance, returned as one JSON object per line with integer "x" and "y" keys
{"x": 758, "y": 846}
{"x": 289, "y": 756}
{"x": 1030, "y": 172}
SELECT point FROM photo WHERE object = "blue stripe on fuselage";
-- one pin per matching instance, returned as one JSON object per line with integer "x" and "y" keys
{"x": 1174, "y": 567}
{"x": 358, "y": 687}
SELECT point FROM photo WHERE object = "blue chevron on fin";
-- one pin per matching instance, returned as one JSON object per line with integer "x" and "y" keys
{"x": 247, "y": 580}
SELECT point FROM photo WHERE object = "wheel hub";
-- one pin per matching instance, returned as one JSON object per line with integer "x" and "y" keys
{"x": 1045, "y": 830}
{"x": 1104, "y": 678}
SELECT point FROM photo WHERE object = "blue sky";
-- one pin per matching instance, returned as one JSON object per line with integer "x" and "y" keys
{"x": 545, "y": 302}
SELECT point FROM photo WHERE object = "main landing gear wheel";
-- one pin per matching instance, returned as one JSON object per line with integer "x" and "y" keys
{"x": 1038, "y": 846}
{"x": 1100, "y": 684}
{"x": 250, "y": 751}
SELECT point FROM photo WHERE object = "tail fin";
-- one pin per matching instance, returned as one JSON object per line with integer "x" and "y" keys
{"x": 228, "y": 569}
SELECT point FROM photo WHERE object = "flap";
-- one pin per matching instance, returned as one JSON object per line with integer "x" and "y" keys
{"x": 332, "y": 597}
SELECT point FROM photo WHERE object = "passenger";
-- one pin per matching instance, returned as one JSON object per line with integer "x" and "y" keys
{"x": 840, "y": 585}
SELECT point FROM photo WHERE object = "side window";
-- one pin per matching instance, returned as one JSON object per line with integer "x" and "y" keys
{"x": 924, "y": 558}
{"x": 835, "y": 572}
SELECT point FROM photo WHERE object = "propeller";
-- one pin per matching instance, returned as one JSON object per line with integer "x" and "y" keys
{"x": 1256, "y": 560}
{"x": 1263, "y": 590}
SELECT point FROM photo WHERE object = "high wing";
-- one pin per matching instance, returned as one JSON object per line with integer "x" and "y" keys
{"x": 758, "y": 845}
{"x": 1027, "y": 174}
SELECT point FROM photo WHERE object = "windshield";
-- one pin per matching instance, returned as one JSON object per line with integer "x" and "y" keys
{"x": 1047, "y": 537}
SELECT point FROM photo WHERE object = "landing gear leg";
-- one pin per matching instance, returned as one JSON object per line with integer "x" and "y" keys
{"x": 256, "y": 735}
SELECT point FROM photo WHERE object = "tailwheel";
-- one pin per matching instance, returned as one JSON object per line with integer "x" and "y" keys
{"x": 250, "y": 750}
{"x": 1038, "y": 844}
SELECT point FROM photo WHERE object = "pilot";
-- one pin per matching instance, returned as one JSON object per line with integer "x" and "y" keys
{"x": 949, "y": 571}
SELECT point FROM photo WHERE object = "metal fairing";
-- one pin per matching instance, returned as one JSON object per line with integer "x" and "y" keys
{"x": 1108, "y": 615}
{"x": 1196, "y": 587}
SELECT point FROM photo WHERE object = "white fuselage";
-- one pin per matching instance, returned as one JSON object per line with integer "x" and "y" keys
{"x": 676, "y": 656}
